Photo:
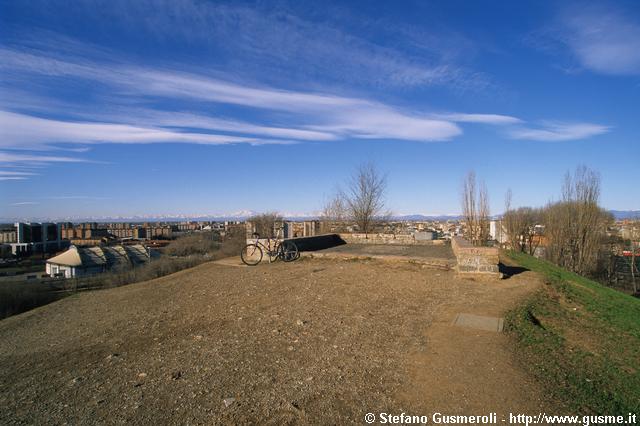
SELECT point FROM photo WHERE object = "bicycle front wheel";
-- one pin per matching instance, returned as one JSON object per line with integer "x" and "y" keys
{"x": 289, "y": 251}
{"x": 251, "y": 255}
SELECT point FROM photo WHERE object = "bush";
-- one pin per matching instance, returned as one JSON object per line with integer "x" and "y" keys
{"x": 200, "y": 243}
{"x": 17, "y": 297}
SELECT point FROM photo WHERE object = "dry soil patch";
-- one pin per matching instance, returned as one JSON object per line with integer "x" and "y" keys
{"x": 306, "y": 342}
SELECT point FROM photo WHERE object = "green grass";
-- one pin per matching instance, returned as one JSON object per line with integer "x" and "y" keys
{"x": 581, "y": 339}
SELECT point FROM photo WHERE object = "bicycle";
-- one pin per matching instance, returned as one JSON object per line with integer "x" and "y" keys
{"x": 252, "y": 253}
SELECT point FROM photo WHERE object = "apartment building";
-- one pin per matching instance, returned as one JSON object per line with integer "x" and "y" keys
{"x": 37, "y": 238}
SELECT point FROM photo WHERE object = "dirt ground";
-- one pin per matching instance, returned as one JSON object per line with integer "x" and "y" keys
{"x": 310, "y": 342}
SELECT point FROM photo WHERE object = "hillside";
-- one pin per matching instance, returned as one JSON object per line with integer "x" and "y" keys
{"x": 308, "y": 342}
{"x": 581, "y": 339}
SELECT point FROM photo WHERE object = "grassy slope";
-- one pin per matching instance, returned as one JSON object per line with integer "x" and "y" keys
{"x": 581, "y": 339}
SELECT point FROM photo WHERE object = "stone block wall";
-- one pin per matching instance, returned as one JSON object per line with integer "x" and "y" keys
{"x": 475, "y": 260}
{"x": 402, "y": 239}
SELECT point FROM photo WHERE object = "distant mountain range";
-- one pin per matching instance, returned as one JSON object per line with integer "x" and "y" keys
{"x": 625, "y": 214}
{"x": 617, "y": 214}
{"x": 244, "y": 214}
{"x": 421, "y": 217}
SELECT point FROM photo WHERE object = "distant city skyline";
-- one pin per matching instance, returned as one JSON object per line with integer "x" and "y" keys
{"x": 244, "y": 215}
{"x": 197, "y": 108}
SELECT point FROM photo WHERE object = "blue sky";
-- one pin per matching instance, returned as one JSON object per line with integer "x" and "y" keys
{"x": 119, "y": 108}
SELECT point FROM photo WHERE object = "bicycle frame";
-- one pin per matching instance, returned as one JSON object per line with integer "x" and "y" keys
{"x": 275, "y": 248}
{"x": 268, "y": 248}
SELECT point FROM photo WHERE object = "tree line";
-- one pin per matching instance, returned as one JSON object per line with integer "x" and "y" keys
{"x": 572, "y": 230}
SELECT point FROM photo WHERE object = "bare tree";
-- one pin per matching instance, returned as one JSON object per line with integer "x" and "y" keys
{"x": 334, "y": 212}
{"x": 469, "y": 205}
{"x": 532, "y": 217}
{"x": 483, "y": 214}
{"x": 335, "y": 209}
{"x": 508, "y": 196}
{"x": 520, "y": 225}
{"x": 575, "y": 226}
{"x": 475, "y": 208}
{"x": 512, "y": 225}
{"x": 264, "y": 224}
{"x": 365, "y": 196}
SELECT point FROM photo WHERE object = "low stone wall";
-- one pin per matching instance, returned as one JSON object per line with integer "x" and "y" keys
{"x": 265, "y": 242}
{"x": 425, "y": 262}
{"x": 317, "y": 242}
{"x": 475, "y": 260}
{"x": 402, "y": 239}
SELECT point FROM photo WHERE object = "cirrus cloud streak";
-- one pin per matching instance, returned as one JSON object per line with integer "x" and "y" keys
{"x": 558, "y": 132}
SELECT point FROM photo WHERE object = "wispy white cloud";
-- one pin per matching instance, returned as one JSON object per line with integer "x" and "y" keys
{"x": 347, "y": 116}
{"x": 76, "y": 197}
{"x": 384, "y": 123}
{"x": 495, "y": 119}
{"x": 190, "y": 86}
{"x": 25, "y": 203}
{"x": 183, "y": 120}
{"x": 30, "y": 159}
{"x": 22, "y": 130}
{"x": 603, "y": 40}
{"x": 13, "y": 59}
{"x": 9, "y": 173}
{"x": 15, "y": 175}
{"x": 557, "y": 132}
{"x": 277, "y": 41}
{"x": 310, "y": 116}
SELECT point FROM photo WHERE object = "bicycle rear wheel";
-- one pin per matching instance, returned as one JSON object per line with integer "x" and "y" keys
{"x": 251, "y": 255}
{"x": 289, "y": 251}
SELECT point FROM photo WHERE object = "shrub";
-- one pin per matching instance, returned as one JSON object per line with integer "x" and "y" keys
{"x": 17, "y": 297}
{"x": 200, "y": 243}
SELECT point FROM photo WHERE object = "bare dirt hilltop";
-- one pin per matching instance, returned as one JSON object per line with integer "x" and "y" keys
{"x": 314, "y": 341}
